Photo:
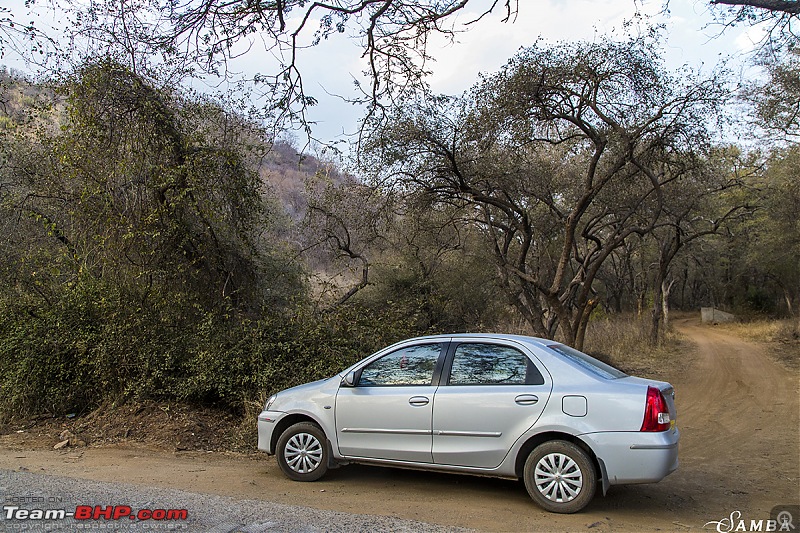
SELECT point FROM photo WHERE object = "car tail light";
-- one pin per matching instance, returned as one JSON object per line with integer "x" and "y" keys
{"x": 656, "y": 412}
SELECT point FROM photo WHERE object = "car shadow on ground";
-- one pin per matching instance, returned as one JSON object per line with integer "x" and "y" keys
{"x": 657, "y": 499}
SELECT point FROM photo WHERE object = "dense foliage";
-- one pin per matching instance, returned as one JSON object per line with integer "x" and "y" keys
{"x": 144, "y": 258}
{"x": 92, "y": 345}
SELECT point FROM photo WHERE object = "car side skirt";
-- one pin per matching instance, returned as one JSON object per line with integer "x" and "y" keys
{"x": 429, "y": 467}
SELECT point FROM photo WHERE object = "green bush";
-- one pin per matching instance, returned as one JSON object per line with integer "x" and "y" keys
{"x": 95, "y": 345}
{"x": 236, "y": 361}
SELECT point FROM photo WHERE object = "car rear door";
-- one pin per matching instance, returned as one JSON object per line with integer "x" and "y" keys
{"x": 388, "y": 413}
{"x": 491, "y": 393}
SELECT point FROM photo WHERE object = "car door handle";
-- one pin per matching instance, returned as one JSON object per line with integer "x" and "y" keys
{"x": 418, "y": 401}
{"x": 526, "y": 399}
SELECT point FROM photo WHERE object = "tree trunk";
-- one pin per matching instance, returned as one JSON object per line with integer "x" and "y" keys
{"x": 684, "y": 281}
{"x": 580, "y": 334}
{"x": 641, "y": 299}
{"x": 656, "y": 314}
{"x": 665, "y": 290}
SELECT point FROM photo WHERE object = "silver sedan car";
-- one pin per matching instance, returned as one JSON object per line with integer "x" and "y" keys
{"x": 492, "y": 405}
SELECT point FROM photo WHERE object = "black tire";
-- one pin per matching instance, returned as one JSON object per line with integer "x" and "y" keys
{"x": 560, "y": 477}
{"x": 302, "y": 452}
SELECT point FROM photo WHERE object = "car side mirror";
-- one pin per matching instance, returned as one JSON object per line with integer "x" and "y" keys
{"x": 349, "y": 379}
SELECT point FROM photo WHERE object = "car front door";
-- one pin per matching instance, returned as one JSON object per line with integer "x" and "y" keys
{"x": 387, "y": 414}
{"x": 493, "y": 393}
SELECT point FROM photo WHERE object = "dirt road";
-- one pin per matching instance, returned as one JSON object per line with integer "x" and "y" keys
{"x": 739, "y": 414}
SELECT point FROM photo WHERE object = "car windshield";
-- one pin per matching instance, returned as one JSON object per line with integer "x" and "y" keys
{"x": 588, "y": 362}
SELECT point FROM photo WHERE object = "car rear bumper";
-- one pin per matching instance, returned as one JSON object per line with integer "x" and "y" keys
{"x": 635, "y": 457}
{"x": 267, "y": 421}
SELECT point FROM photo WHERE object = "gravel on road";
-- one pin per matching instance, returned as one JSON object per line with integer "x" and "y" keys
{"x": 24, "y": 492}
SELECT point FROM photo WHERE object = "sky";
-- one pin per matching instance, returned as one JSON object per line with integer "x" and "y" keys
{"x": 691, "y": 39}
{"x": 329, "y": 69}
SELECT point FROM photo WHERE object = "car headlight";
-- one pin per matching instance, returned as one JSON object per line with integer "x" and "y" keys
{"x": 270, "y": 401}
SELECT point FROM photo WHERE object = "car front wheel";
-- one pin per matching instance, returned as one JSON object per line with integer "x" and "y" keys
{"x": 303, "y": 452}
{"x": 560, "y": 477}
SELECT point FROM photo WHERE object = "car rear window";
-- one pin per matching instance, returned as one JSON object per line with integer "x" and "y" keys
{"x": 588, "y": 362}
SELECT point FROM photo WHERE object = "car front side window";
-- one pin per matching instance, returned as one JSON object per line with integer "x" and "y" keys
{"x": 492, "y": 364}
{"x": 413, "y": 365}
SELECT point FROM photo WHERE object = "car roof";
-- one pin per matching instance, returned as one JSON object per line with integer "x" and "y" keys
{"x": 525, "y": 339}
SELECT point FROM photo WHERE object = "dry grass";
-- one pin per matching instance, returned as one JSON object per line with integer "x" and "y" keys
{"x": 764, "y": 330}
{"x": 624, "y": 342}
{"x": 781, "y": 337}
{"x": 244, "y": 436}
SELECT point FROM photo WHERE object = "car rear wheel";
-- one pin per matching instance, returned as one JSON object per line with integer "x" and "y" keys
{"x": 303, "y": 452}
{"x": 560, "y": 477}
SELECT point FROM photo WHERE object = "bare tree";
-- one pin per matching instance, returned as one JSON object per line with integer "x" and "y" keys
{"x": 561, "y": 155}
{"x": 21, "y": 36}
{"x": 347, "y": 221}
{"x": 779, "y": 18}
{"x": 172, "y": 39}
{"x": 182, "y": 37}
{"x": 703, "y": 201}
{"x": 790, "y": 7}
{"x": 776, "y": 101}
